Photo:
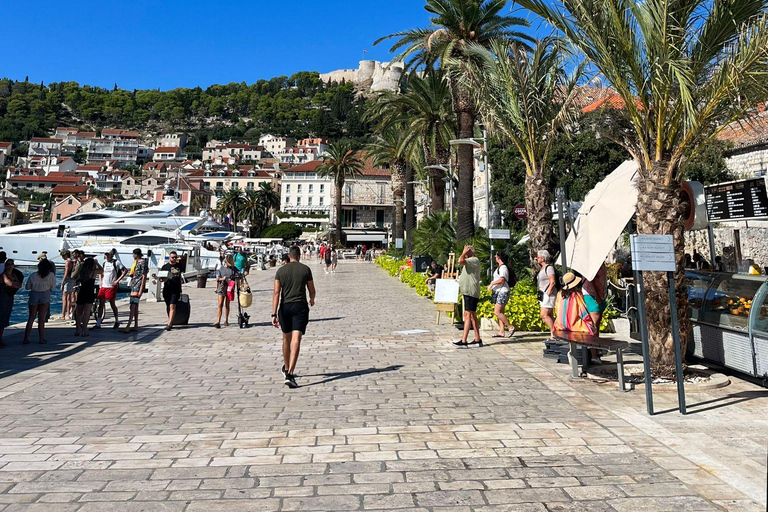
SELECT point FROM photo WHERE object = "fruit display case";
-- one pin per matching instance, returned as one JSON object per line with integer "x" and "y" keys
{"x": 729, "y": 317}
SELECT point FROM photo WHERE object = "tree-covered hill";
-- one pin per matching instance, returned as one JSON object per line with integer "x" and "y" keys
{"x": 298, "y": 106}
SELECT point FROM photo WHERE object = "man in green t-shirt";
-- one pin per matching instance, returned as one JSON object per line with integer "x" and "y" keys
{"x": 292, "y": 281}
{"x": 469, "y": 287}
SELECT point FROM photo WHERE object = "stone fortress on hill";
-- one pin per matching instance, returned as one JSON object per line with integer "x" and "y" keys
{"x": 371, "y": 76}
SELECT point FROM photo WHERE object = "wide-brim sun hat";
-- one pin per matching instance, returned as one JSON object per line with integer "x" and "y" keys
{"x": 571, "y": 280}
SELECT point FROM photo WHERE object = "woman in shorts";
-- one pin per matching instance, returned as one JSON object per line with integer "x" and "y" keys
{"x": 40, "y": 284}
{"x": 67, "y": 286}
{"x": 138, "y": 274}
{"x": 500, "y": 289}
{"x": 546, "y": 281}
{"x": 224, "y": 275}
{"x": 87, "y": 295}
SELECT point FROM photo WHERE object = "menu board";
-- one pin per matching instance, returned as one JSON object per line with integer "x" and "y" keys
{"x": 746, "y": 199}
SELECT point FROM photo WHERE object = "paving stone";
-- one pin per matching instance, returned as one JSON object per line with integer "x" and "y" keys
{"x": 322, "y": 503}
{"x": 198, "y": 419}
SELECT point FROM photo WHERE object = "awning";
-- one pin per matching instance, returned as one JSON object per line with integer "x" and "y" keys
{"x": 380, "y": 237}
{"x": 365, "y": 236}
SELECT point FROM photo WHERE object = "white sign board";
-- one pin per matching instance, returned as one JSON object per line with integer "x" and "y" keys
{"x": 447, "y": 291}
{"x": 499, "y": 234}
{"x": 398, "y": 243}
{"x": 653, "y": 252}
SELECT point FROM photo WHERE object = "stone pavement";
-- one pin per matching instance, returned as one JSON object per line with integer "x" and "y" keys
{"x": 198, "y": 419}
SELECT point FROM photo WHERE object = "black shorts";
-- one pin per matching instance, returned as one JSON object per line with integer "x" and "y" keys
{"x": 293, "y": 316}
{"x": 470, "y": 303}
{"x": 171, "y": 298}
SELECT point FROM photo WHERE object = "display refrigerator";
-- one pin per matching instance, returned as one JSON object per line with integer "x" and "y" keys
{"x": 729, "y": 316}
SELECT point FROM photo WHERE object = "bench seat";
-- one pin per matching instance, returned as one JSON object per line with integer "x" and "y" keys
{"x": 588, "y": 341}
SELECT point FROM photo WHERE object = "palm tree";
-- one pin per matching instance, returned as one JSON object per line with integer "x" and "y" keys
{"x": 201, "y": 203}
{"x": 526, "y": 99}
{"x": 229, "y": 204}
{"x": 387, "y": 151}
{"x": 454, "y": 25}
{"x": 340, "y": 162}
{"x": 269, "y": 200}
{"x": 423, "y": 111}
{"x": 685, "y": 70}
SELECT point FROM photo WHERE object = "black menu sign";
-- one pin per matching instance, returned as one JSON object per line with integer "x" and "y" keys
{"x": 737, "y": 200}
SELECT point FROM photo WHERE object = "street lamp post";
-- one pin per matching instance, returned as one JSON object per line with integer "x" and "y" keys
{"x": 448, "y": 182}
{"x": 473, "y": 141}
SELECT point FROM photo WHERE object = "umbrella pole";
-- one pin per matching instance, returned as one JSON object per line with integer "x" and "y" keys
{"x": 560, "y": 195}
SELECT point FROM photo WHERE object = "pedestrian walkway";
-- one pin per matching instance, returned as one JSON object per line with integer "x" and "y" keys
{"x": 198, "y": 419}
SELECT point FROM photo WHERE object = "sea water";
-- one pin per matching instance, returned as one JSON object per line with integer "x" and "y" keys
{"x": 20, "y": 311}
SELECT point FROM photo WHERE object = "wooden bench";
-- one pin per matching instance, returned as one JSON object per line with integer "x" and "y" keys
{"x": 588, "y": 341}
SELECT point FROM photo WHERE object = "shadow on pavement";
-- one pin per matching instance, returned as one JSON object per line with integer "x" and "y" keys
{"x": 732, "y": 399}
{"x": 345, "y": 375}
{"x": 61, "y": 343}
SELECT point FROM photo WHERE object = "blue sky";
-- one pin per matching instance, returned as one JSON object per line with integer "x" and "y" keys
{"x": 165, "y": 44}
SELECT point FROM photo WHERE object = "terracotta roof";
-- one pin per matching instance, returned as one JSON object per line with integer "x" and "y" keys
{"x": 51, "y": 178}
{"x": 89, "y": 135}
{"x": 750, "y": 132}
{"x": 5, "y": 144}
{"x": 45, "y": 139}
{"x": 612, "y": 101}
{"x": 369, "y": 169}
{"x": 306, "y": 166}
{"x": 69, "y": 189}
{"x": 122, "y": 133}
{"x": 168, "y": 149}
{"x": 66, "y": 128}
{"x": 149, "y": 166}
{"x": 89, "y": 167}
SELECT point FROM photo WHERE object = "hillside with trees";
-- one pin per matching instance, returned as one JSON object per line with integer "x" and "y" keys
{"x": 296, "y": 106}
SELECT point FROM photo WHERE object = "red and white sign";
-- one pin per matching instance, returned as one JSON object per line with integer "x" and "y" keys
{"x": 520, "y": 212}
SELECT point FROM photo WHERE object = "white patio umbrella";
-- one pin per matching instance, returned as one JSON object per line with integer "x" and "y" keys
{"x": 603, "y": 215}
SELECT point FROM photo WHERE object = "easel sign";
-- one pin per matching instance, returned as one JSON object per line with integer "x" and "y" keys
{"x": 446, "y": 296}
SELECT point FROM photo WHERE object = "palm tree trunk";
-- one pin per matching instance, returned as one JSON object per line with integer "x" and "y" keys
{"x": 410, "y": 207}
{"x": 660, "y": 212}
{"x": 437, "y": 185}
{"x": 539, "y": 211}
{"x": 465, "y": 205}
{"x": 398, "y": 189}
{"x": 339, "y": 211}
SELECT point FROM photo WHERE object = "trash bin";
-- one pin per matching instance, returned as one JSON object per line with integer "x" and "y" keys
{"x": 201, "y": 280}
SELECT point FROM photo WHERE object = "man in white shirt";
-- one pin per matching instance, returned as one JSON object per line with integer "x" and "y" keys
{"x": 114, "y": 272}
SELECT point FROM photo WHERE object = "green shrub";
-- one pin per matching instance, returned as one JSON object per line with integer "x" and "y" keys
{"x": 522, "y": 309}
{"x": 286, "y": 231}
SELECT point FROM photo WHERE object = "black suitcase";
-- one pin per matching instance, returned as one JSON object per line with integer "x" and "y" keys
{"x": 182, "y": 311}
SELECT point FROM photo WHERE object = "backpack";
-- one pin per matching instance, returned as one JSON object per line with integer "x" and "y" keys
{"x": 558, "y": 277}
{"x": 75, "y": 274}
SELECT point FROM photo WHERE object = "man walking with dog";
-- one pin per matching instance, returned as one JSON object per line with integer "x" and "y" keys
{"x": 290, "y": 309}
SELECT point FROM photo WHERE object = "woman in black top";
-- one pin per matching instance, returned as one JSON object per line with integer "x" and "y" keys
{"x": 87, "y": 294}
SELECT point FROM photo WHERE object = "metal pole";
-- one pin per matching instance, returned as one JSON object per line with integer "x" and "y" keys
{"x": 676, "y": 341}
{"x": 712, "y": 254}
{"x": 560, "y": 194}
{"x": 450, "y": 189}
{"x": 643, "y": 321}
{"x": 487, "y": 195}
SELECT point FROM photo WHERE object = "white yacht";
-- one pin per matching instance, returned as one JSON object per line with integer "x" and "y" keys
{"x": 25, "y": 243}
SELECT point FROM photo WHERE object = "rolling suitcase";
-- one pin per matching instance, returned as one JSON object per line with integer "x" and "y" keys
{"x": 182, "y": 311}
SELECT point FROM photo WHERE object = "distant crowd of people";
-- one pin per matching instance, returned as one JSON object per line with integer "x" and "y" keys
{"x": 85, "y": 282}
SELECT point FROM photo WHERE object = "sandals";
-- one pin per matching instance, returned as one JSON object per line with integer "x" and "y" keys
{"x": 498, "y": 336}
{"x": 43, "y": 342}
{"x": 25, "y": 342}
{"x": 217, "y": 325}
